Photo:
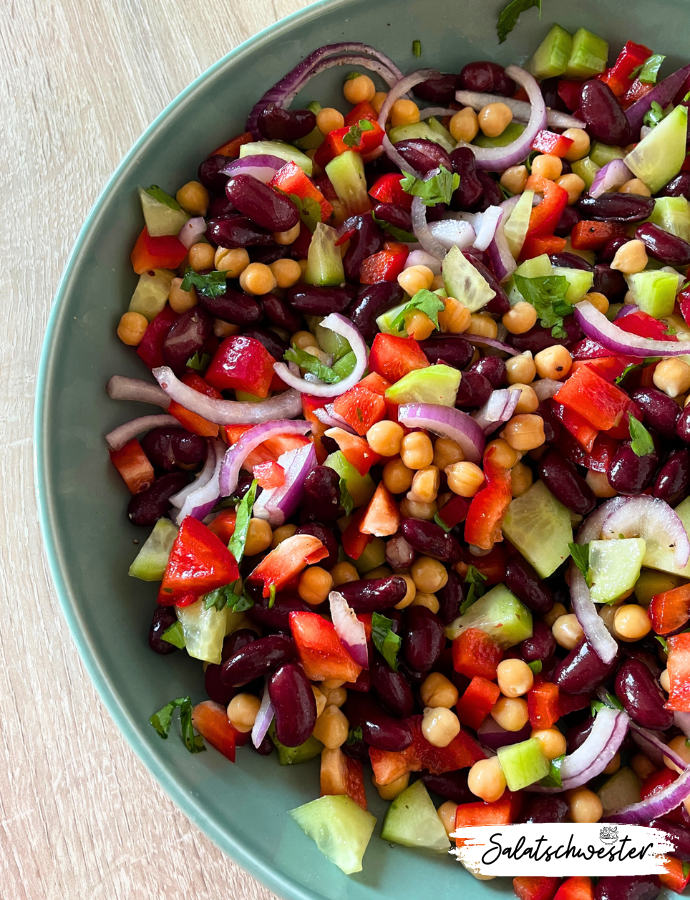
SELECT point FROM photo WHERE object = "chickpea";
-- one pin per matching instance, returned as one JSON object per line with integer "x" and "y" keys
{"x": 358, "y": 88}
{"x": 630, "y": 258}
{"x": 446, "y": 813}
{"x": 598, "y": 301}
{"x": 642, "y": 766}
{"x": 409, "y": 597}
{"x": 494, "y": 119}
{"x": 580, "y": 146}
{"x": 510, "y": 713}
{"x": 259, "y": 537}
{"x": 393, "y": 789}
{"x": 404, "y": 112}
{"x": 606, "y": 614}
{"x": 417, "y": 451}
{"x": 464, "y": 478}
{"x": 302, "y": 340}
{"x": 320, "y": 700}
{"x": 431, "y": 601}
{"x": 455, "y": 317}
{"x": 330, "y": 684}
{"x": 483, "y": 325}
{"x": 573, "y": 184}
{"x": 437, "y": 690}
{"x": 524, "y": 432}
{"x": 242, "y": 712}
{"x": 678, "y": 746}
{"x": 378, "y": 101}
{"x": 514, "y": 677}
{"x": 429, "y": 575}
{"x": 520, "y": 318}
{"x": 416, "y": 509}
{"x": 635, "y": 186}
{"x": 328, "y": 119}
{"x": 180, "y": 301}
{"x": 440, "y": 726}
{"x": 385, "y": 438}
{"x": 233, "y": 262}
{"x": 223, "y": 329}
{"x": 665, "y": 681}
{"x": 331, "y": 728}
{"x": 287, "y": 237}
{"x": 672, "y": 376}
{"x": 521, "y": 369}
{"x": 286, "y": 272}
{"x": 257, "y": 279}
{"x": 282, "y": 533}
{"x": 567, "y": 631}
{"x": 397, "y": 477}
{"x": 552, "y": 742}
{"x": 201, "y": 256}
{"x": 599, "y": 484}
{"x": 315, "y": 584}
{"x": 418, "y": 325}
{"x": 514, "y": 179}
{"x": 193, "y": 198}
{"x": 553, "y": 362}
{"x": 131, "y": 328}
{"x": 425, "y": 485}
{"x": 502, "y": 453}
{"x": 336, "y": 696}
{"x": 613, "y": 766}
{"x": 520, "y": 479}
{"x": 447, "y": 452}
{"x": 378, "y": 572}
{"x": 528, "y": 402}
{"x": 464, "y": 125}
{"x": 548, "y": 166}
{"x": 343, "y": 573}
{"x": 631, "y": 622}
{"x": 415, "y": 278}
{"x": 585, "y": 806}
{"x": 486, "y": 779}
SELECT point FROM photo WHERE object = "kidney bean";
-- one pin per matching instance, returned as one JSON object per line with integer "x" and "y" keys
{"x": 527, "y": 586}
{"x": 276, "y": 617}
{"x": 451, "y": 597}
{"x": 605, "y": 117}
{"x": 552, "y": 427}
{"x": 423, "y": 638}
{"x": 539, "y": 338}
{"x": 262, "y": 204}
{"x": 541, "y": 646}
{"x": 272, "y": 342}
{"x": 543, "y": 810}
{"x": 677, "y": 835}
{"x": 257, "y": 659}
{"x": 473, "y": 392}
{"x": 375, "y": 300}
{"x": 431, "y": 540}
{"x": 244, "y": 482}
{"x": 380, "y": 166}
{"x": 609, "y": 282}
{"x": 612, "y": 246}
{"x": 630, "y": 474}
{"x": 279, "y": 313}
{"x": 289, "y": 125}
{"x": 265, "y": 748}
{"x": 582, "y": 670}
{"x": 394, "y": 215}
{"x": 294, "y": 704}
{"x": 327, "y": 538}
{"x": 368, "y": 239}
{"x": 153, "y": 503}
{"x": 662, "y": 245}
{"x": 399, "y": 554}
{"x": 683, "y": 425}
{"x": 568, "y": 220}
{"x": 450, "y": 785}
{"x": 565, "y": 483}
{"x": 578, "y": 734}
{"x": 492, "y": 368}
{"x": 498, "y": 305}
{"x": 321, "y": 495}
{"x": 470, "y": 192}
{"x": 452, "y": 349}
{"x": 379, "y": 729}
{"x": 173, "y": 448}
{"x": 373, "y": 594}
{"x": 210, "y": 174}
{"x": 627, "y": 887}
{"x": 216, "y": 689}
{"x": 549, "y": 91}
{"x": 641, "y": 696}
{"x": 187, "y": 336}
{"x": 268, "y": 255}
{"x": 423, "y": 155}
{"x": 237, "y": 231}
{"x": 493, "y": 736}
{"x": 221, "y": 207}
{"x": 438, "y": 91}
{"x": 234, "y": 307}
{"x": 660, "y": 411}
{"x": 673, "y": 481}
{"x": 163, "y": 617}
{"x": 319, "y": 301}
{"x": 677, "y": 187}
{"x": 486, "y": 78}
{"x": 616, "y": 207}
{"x": 391, "y": 688}
{"x": 570, "y": 261}
{"x": 492, "y": 192}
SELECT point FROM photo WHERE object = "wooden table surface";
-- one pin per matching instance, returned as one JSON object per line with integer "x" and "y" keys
{"x": 80, "y": 817}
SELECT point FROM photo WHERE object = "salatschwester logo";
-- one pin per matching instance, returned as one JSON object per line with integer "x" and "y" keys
{"x": 560, "y": 849}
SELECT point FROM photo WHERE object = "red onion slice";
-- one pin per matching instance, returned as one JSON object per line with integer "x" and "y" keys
{"x": 657, "y": 805}
{"x": 421, "y": 228}
{"x": 278, "y": 504}
{"x": 502, "y": 261}
{"x": 326, "y": 418}
{"x": 439, "y": 111}
{"x": 662, "y": 93}
{"x": 610, "y": 177}
{"x": 396, "y": 92}
{"x": 250, "y": 440}
{"x": 202, "y": 478}
{"x": 118, "y": 437}
{"x": 546, "y": 388}
{"x": 120, "y": 387}
{"x": 446, "y": 421}
{"x": 596, "y": 752}
{"x": 228, "y": 412}
{"x": 449, "y": 233}
{"x": 478, "y": 340}
{"x": 200, "y": 502}
{"x": 520, "y": 108}
{"x": 262, "y": 167}
{"x": 349, "y": 629}
{"x": 485, "y": 225}
{"x": 498, "y": 409}
{"x": 263, "y": 720}
{"x": 652, "y": 519}
{"x": 647, "y": 739}
{"x": 192, "y": 231}
{"x": 595, "y": 325}
{"x": 344, "y": 327}
{"x": 422, "y": 258}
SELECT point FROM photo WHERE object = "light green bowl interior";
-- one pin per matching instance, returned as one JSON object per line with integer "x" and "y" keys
{"x": 82, "y": 499}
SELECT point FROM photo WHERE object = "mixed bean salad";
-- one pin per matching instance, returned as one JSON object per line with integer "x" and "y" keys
{"x": 420, "y": 486}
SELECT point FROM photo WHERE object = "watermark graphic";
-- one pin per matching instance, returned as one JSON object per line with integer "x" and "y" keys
{"x": 561, "y": 849}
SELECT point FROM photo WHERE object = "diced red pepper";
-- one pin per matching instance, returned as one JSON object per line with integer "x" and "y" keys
{"x": 477, "y": 702}
{"x": 586, "y": 392}
{"x": 492, "y": 566}
{"x": 601, "y": 456}
{"x": 287, "y": 560}
{"x": 375, "y": 383}
{"x": 150, "y": 350}
{"x": 579, "y": 887}
{"x": 620, "y": 75}
{"x": 552, "y": 143}
{"x": 388, "y": 189}
{"x": 569, "y": 92}
{"x": 269, "y": 474}
{"x": 476, "y": 653}
{"x": 636, "y": 91}
{"x": 587, "y": 350}
{"x": 621, "y": 432}
{"x": 292, "y": 180}
{"x": 382, "y": 516}
{"x": 671, "y": 610}
{"x": 191, "y": 420}
{"x": 354, "y": 448}
{"x": 473, "y": 815}
{"x": 454, "y": 511}
{"x": 199, "y": 562}
{"x": 211, "y": 721}
{"x": 353, "y": 540}
{"x": 674, "y": 877}
{"x": 394, "y": 357}
{"x": 609, "y": 367}
{"x": 355, "y": 781}
{"x": 582, "y": 430}
{"x": 360, "y": 408}
{"x": 232, "y": 147}
{"x": 320, "y": 650}
{"x": 363, "y": 110}
{"x": 683, "y": 300}
{"x": 334, "y": 145}
{"x": 134, "y": 466}
{"x": 644, "y": 325}
{"x": 544, "y": 218}
{"x": 385, "y": 265}
{"x": 243, "y": 364}
{"x": 311, "y": 403}
{"x": 165, "y": 252}
{"x": 542, "y": 705}
{"x": 489, "y": 507}
{"x": 538, "y": 244}
{"x": 535, "y": 888}
{"x": 678, "y": 666}
{"x": 587, "y": 235}
{"x": 224, "y": 524}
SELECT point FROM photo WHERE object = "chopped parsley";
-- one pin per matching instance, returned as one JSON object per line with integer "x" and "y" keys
{"x": 437, "y": 189}
{"x": 160, "y": 195}
{"x": 611, "y": 702}
{"x": 199, "y": 362}
{"x": 476, "y": 580}
{"x": 214, "y": 284}
{"x": 580, "y": 556}
{"x": 424, "y": 301}
{"x": 655, "y": 115}
{"x": 553, "y": 779}
{"x": 439, "y": 521}
{"x": 386, "y": 641}
{"x": 353, "y": 137}
{"x": 309, "y": 211}
{"x": 535, "y": 666}
{"x": 648, "y": 72}
{"x": 244, "y": 514}
{"x": 346, "y": 501}
{"x": 509, "y": 15}
{"x": 547, "y": 296}
{"x": 271, "y": 596}
{"x": 641, "y": 442}
{"x": 174, "y": 635}
{"x": 162, "y": 720}
{"x": 398, "y": 233}
{"x": 312, "y": 365}
{"x": 228, "y": 596}
{"x": 417, "y": 48}
{"x": 662, "y": 641}
{"x": 632, "y": 367}
{"x": 354, "y": 735}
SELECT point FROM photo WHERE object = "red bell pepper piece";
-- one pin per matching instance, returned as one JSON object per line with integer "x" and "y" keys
{"x": 552, "y": 143}
{"x": 492, "y": 566}
{"x": 360, "y": 408}
{"x": 620, "y": 75}
{"x": 636, "y": 91}
{"x": 199, "y": 562}
{"x": 232, "y": 147}
{"x": 355, "y": 781}
{"x": 191, "y": 420}
{"x": 134, "y": 466}
{"x": 382, "y": 516}
{"x": 475, "y": 653}
{"x": 311, "y": 403}
{"x": 671, "y": 610}
{"x": 353, "y": 540}
{"x": 683, "y": 300}
{"x": 544, "y": 218}
{"x": 393, "y": 357}
{"x": 477, "y": 702}
{"x": 211, "y": 721}
{"x": 224, "y": 524}
{"x": 343, "y": 775}
{"x": 601, "y": 455}
{"x": 644, "y": 325}
{"x": 334, "y": 143}
{"x": 678, "y": 666}
{"x": 472, "y": 815}
{"x": 165, "y": 252}
{"x": 538, "y": 244}
{"x": 569, "y": 92}
{"x": 243, "y": 364}
{"x": 586, "y": 392}
{"x": 579, "y": 887}
{"x": 582, "y": 430}
{"x": 388, "y": 189}
{"x": 621, "y": 432}
{"x": 587, "y": 235}
{"x": 385, "y": 265}
{"x": 454, "y": 511}
{"x": 674, "y": 877}
{"x": 354, "y": 448}
{"x": 489, "y": 507}
{"x": 375, "y": 383}
{"x": 150, "y": 350}
{"x": 320, "y": 649}
{"x": 292, "y": 180}
{"x": 542, "y": 705}
{"x": 363, "y": 110}
{"x": 269, "y": 474}
{"x": 287, "y": 560}
{"x": 609, "y": 367}
{"x": 527, "y": 887}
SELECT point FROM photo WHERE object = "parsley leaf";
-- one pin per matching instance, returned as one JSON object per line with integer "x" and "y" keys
{"x": 160, "y": 195}
{"x": 654, "y": 116}
{"x": 174, "y": 635}
{"x": 476, "y": 580}
{"x": 611, "y": 702}
{"x": 686, "y": 868}
{"x": 352, "y": 75}
{"x": 648, "y": 361}
{"x": 580, "y": 556}
{"x": 553, "y": 779}
{"x": 509, "y": 15}
{"x": 386, "y": 641}
{"x": 244, "y": 514}
{"x": 641, "y": 443}
{"x": 437, "y": 189}
{"x": 417, "y": 48}
{"x": 662, "y": 641}
{"x": 425, "y": 302}
{"x": 346, "y": 501}
{"x": 228, "y": 596}
{"x": 354, "y": 135}
{"x": 312, "y": 365}
{"x": 198, "y": 363}
{"x": 162, "y": 720}
{"x": 535, "y": 666}
{"x": 394, "y": 231}
{"x": 547, "y": 296}
{"x": 649, "y": 70}
{"x": 354, "y": 734}
{"x": 309, "y": 210}
{"x": 439, "y": 521}
{"x": 212, "y": 285}
{"x": 271, "y": 596}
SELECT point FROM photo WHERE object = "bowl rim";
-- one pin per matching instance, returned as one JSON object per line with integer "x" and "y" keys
{"x": 270, "y": 876}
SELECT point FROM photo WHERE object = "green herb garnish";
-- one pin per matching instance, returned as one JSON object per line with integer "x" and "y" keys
{"x": 439, "y": 521}
{"x": 386, "y": 641}
{"x": 507, "y": 19}
{"x": 648, "y": 361}
{"x": 174, "y": 635}
{"x": 553, "y": 779}
{"x": 611, "y": 702}
{"x": 476, "y": 580}
{"x": 271, "y": 596}
{"x": 212, "y": 285}
{"x": 662, "y": 641}
{"x": 312, "y": 364}
{"x": 309, "y": 211}
{"x": 394, "y": 231}
{"x": 244, "y": 514}
{"x": 354, "y": 135}
{"x": 535, "y": 666}
{"x": 199, "y": 363}
{"x": 160, "y": 195}
{"x": 346, "y": 501}
{"x": 354, "y": 734}
{"x": 228, "y": 596}
{"x": 417, "y": 48}
{"x": 580, "y": 556}
{"x": 641, "y": 443}
{"x": 648, "y": 72}
{"x": 547, "y": 296}
{"x": 437, "y": 189}
{"x": 655, "y": 115}
{"x": 162, "y": 720}
{"x": 424, "y": 301}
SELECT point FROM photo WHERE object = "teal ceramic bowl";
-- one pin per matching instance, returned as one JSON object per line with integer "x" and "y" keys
{"x": 242, "y": 807}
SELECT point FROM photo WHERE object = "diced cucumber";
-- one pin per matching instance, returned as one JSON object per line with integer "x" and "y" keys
{"x": 658, "y": 557}
{"x": 661, "y": 153}
{"x": 651, "y": 583}
{"x": 524, "y": 763}
{"x": 315, "y": 137}
{"x": 423, "y": 130}
{"x": 346, "y": 173}
{"x": 441, "y": 131}
{"x": 614, "y": 567}
{"x": 587, "y": 170}
{"x": 412, "y": 821}
{"x": 385, "y": 320}
{"x": 294, "y": 756}
{"x": 621, "y": 789}
{"x": 151, "y": 293}
{"x": 361, "y": 487}
{"x": 330, "y": 342}
{"x": 346, "y": 364}
{"x": 436, "y": 384}
{"x": 537, "y": 267}
{"x": 153, "y": 557}
{"x": 580, "y": 282}
{"x": 203, "y": 629}
{"x": 673, "y": 215}
{"x": 324, "y": 262}
{"x": 499, "y": 614}
{"x": 654, "y": 291}
{"x": 464, "y": 282}
{"x": 373, "y": 556}
{"x": 279, "y": 149}
{"x": 340, "y": 828}
{"x": 246, "y": 397}
{"x": 540, "y": 527}
{"x": 552, "y": 55}
{"x": 600, "y": 154}
{"x": 588, "y": 56}
{"x": 515, "y": 229}
{"x": 512, "y": 133}
{"x": 160, "y": 218}
{"x": 588, "y": 255}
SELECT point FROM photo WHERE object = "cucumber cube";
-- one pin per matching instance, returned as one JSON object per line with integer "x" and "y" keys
{"x": 436, "y": 384}
{"x": 153, "y": 557}
{"x": 361, "y": 487}
{"x": 673, "y": 215}
{"x": 464, "y": 282}
{"x": 537, "y": 267}
{"x": 160, "y": 218}
{"x": 658, "y": 557}
{"x": 660, "y": 154}
{"x": 295, "y": 756}
{"x": 588, "y": 56}
{"x": 423, "y": 130}
{"x": 512, "y": 133}
{"x": 614, "y": 567}
{"x": 441, "y": 131}
{"x": 654, "y": 291}
{"x": 412, "y": 821}
{"x": 621, "y": 789}
{"x": 324, "y": 262}
{"x": 651, "y": 583}
{"x": 552, "y": 55}
{"x": 579, "y": 280}
{"x": 499, "y": 614}
{"x": 523, "y": 764}
{"x": 346, "y": 173}
{"x": 279, "y": 149}
{"x": 340, "y": 827}
{"x": 344, "y": 366}
{"x": 204, "y": 630}
{"x": 600, "y": 154}
{"x": 587, "y": 170}
{"x": 151, "y": 293}
{"x": 539, "y": 526}
{"x": 330, "y": 342}
{"x": 373, "y": 556}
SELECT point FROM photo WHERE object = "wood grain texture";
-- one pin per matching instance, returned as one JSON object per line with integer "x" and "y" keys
{"x": 80, "y": 817}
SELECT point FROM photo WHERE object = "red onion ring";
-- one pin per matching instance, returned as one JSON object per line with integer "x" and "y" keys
{"x": 250, "y": 440}
{"x": 502, "y": 261}
{"x": 449, "y": 233}
{"x": 264, "y": 717}
{"x": 520, "y": 109}
{"x": 447, "y": 422}
{"x": 326, "y": 418}
{"x": 202, "y": 478}
{"x": 480, "y": 341}
{"x": 595, "y": 325}
{"x": 201, "y": 501}
{"x": 647, "y": 739}
{"x": 349, "y": 629}
{"x": 396, "y": 92}
{"x": 610, "y": 177}
{"x": 421, "y": 228}
{"x": 279, "y": 503}
{"x": 262, "y": 167}
{"x": 488, "y": 221}
{"x": 652, "y": 519}
{"x": 657, "y": 805}
{"x": 120, "y": 387}
{"x": 438, "y": 111}
{"x": 118, "y": 437}
{"x": 498, "y": 409}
